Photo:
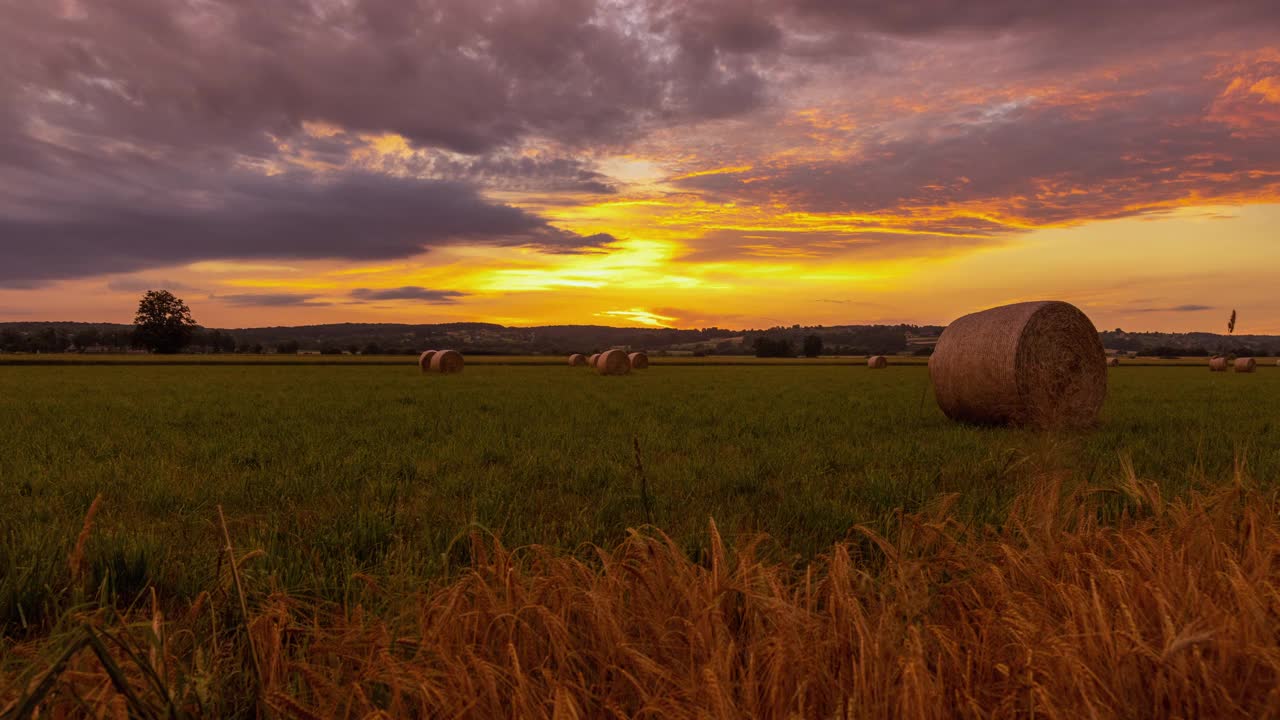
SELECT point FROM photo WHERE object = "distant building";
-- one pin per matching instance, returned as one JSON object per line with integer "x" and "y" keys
{"x": 308, "y": 352}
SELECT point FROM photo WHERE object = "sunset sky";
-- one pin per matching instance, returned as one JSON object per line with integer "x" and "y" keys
{"x": 740, "y": 163}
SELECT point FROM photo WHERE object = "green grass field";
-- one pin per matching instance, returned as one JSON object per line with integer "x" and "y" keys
{"x": 340, "y": 471}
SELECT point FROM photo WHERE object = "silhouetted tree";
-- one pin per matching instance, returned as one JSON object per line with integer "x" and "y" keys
{"x": 11, "y": 340}
{"x": 812, "y": 346}
{"x": 213, "y": 341}
{"x": 163, "y": 323}
{"x": 49, "y": 340}
{"x": 768, "y": 347}
{"x": 86, "y": 337}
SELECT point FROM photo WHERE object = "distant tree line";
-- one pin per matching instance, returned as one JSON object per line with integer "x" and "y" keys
{"x": 491, "y": 339}
{"x": 774, "y": 348}
{"x": 54, "y": 339}
{"x": 1196, "y": 351}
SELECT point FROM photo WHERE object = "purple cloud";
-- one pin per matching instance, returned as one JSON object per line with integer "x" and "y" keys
{"x": 272, "y": 300}
{"x": 439, "y": 297}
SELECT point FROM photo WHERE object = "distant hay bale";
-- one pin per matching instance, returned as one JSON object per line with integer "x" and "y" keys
{"x": 424, "y": 360}
{"x": 1113, "y": 362}
{"x": 577, "y": 360}
{"x": 591, "y": 361}
{"x": 1037, "y": 364}
{"x": 613, "y": 362}
{"x": 638, "y": 360}
{"x": 877, "y": 362}
{"x": 446, "y": 361}
{"x": 1217, "y": 364}
{"x": 1246, "y": 365}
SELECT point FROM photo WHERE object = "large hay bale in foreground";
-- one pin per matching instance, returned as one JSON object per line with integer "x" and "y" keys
{"x": 424, "y": 360}
{"x": 446, "y": 361}
{"x": 1217, "y": 364}
{"x": 613, "y": 362}
{"x": 1246, "y": 365}
{"x": 1036, "y": 364}
{"x": 577, "y": 360}
{"x": 877, "y": 362}
{"x": 1113, "y": 362}
{"x": 638, "y": 360}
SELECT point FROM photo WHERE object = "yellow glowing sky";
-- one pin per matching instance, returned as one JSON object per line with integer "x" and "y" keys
{"x": 1128, "y": 273}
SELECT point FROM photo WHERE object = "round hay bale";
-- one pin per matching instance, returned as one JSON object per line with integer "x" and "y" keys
{"x": 877, "y": 362}
{"x": 1036, "y": 364}
{"x": 446, "y": 361}
{"x": 613, "y": 362}
{"x": 577, "y": 360}
{"x": 424, "y": 360}
{"x": 1113, "y": 362}
{"x": 1246, "y": 365}
{"x": 1217, "y": 364}
{"x": 638, "y": 360}
{"x": 591, "y": 361}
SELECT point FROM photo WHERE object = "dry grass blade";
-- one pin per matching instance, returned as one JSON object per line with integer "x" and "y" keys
{"x": 1171, "y": 611}
{"x": 244, "y": 604}
{"x": 76, "y": 560}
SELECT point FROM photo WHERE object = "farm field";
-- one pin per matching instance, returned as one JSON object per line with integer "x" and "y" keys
{"x": 362, "y": 484}
{"x": 28, "y": 359}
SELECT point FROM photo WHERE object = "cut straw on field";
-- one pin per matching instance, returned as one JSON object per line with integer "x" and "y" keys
{"x": 76, "y": 559}
{"x": 1036, "y": 364}
{"x": 447, "y": 362}
{"x": 613, "y": 362}
{"x": 1170, "y": 611}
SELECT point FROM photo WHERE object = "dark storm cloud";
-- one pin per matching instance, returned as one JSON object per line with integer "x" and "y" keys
{"x": 500, "y": 171}
{"x": 92, "y": 228}
{"x": 140, "y": 133}
{"x": 439, "y": 297}
{"x": 925, "y": 17}
{"x": 468, "y": 75}
{"x": 145, "y": 133}
{"x": 1045, "y": 35}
